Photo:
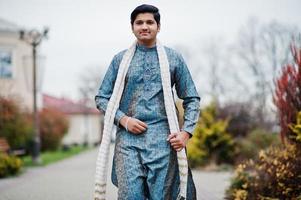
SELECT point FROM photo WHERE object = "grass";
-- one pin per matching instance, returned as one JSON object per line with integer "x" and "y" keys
{"x": 54, "y": 156}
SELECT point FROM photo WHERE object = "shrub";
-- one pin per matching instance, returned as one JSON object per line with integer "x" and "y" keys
{"x": 53, "y": 126}
{"x": 287, "y": 97}
{"x": 15, "y": 126}
{"x": 9, "y": 165}
{"x": 255, "y": 141}
{"x": 210, "y": 141}
{"x": 196, "y": 153}
{"x": 296, "y": 129}
{"x": 276, "y": 174}
{"x": 239, "y": 116}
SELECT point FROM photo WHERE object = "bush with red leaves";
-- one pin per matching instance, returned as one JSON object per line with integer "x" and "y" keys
{"x": 287, "y": 97}
{"x": 53, "y": 127}
{"x": 15, "y": 125}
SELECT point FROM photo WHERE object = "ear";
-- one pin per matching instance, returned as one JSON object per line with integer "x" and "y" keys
{"x": 159, "y": 27}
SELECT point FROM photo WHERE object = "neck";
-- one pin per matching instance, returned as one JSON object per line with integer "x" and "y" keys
{"x": 148, "y": 44}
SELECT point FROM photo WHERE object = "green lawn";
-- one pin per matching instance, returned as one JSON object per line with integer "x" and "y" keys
{"x": 54, "y": 156}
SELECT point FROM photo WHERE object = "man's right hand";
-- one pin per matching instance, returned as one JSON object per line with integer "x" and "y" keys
{"x": 133, "y": 125}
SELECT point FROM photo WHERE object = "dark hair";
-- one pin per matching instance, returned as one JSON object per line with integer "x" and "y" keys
{"x": 145, "y": 8}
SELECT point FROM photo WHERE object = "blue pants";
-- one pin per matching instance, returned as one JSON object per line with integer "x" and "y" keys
{"x": 145, "y": 166}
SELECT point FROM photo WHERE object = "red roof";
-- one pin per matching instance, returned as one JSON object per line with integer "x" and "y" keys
{"x": 67, "y": 106}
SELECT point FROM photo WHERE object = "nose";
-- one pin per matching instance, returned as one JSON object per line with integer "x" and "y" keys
{"x": 144, "y": 26}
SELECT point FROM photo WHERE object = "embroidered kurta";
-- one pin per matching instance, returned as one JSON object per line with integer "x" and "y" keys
{"x": 147, "y": 160}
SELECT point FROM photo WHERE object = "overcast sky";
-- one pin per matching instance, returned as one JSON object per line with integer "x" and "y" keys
{"x": 85, "y": 33}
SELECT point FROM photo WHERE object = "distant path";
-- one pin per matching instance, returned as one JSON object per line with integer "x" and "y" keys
{"x": 73, "y": 179}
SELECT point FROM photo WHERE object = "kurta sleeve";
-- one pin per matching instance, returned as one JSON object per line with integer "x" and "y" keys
{"x": 186, "y": 91}
{"x": 106, "y": 89}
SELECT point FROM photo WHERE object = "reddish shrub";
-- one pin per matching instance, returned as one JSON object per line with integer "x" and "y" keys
{"x": 15, "y": 126}
{"x": 53, "y": 126}
{"x": 287, "y": 97}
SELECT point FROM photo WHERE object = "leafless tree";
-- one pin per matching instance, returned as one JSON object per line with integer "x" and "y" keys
{"x": 206, "y": 61}
{"x": 89, "y": 81}
{"x": 213, "y": 52}
{"x": 263, "y": 49}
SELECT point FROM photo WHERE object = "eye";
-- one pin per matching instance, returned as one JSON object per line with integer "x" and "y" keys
{"x": 150, "y": 22}
{"x": 138, "y": 22}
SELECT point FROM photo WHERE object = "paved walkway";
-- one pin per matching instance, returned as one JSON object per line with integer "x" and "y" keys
{"x": 73, "y": 179}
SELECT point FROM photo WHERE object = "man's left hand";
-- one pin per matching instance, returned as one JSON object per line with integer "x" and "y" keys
{"x": 178, "y": 140}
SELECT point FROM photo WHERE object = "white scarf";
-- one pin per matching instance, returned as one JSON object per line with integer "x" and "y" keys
{"x": 104, "y": 149}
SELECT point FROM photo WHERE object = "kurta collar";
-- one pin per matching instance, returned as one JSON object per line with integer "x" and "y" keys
{"x": 144, "y": 48}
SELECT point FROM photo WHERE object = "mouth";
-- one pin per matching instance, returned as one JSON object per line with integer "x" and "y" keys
{"x": 144, "y": 33}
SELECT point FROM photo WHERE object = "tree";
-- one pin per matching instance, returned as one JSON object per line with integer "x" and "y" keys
{"x": 287, "y": 96}
{"x": 88, "y": 86}
{"x": 207, "y": 65}
{"x": 262, "y": 49}
{"x": 89, "y": 81}
{"x": 240, "y": 120}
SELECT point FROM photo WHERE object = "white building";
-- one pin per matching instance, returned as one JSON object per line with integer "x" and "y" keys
{"x": 85, "y": 123}
{"x": 16, "y": 82}
{"x": 16, "y": 66}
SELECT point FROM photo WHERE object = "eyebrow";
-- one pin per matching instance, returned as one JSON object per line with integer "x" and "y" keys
{"x": 148, "y": 20}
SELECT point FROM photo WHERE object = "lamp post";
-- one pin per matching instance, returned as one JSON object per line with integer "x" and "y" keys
{"x": 34, "y": 38}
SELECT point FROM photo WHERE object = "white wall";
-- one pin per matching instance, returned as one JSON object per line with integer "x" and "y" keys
{"x": 82, "y": 127}
{"x": 19, "y": 87}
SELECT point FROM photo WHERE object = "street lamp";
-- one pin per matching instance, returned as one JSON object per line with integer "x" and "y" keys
{"x": 34, "y": 38}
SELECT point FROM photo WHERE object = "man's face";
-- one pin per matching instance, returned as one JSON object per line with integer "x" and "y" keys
{"x": 145, "y": 28}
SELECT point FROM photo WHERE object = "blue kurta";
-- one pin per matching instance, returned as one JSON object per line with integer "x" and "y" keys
{"x": 145, "y": 165}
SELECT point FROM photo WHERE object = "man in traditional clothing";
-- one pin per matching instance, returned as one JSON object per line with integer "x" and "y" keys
{"x": 146, "y": 162}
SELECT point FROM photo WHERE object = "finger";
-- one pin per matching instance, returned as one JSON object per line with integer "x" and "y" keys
{"x": 135, "y": 125}
{"x": 141, "y": 123}
{"x": 178, "y": 149}
{"x": 136, "y": 131}
{"x": 140, "y": 128}
{"x": 176, "y": 146}
{"x": 172, "y": 135}
{"x": 174, "y": 140}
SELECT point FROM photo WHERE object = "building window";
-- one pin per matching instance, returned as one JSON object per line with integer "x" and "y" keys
{"x": 6, "y": 65}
